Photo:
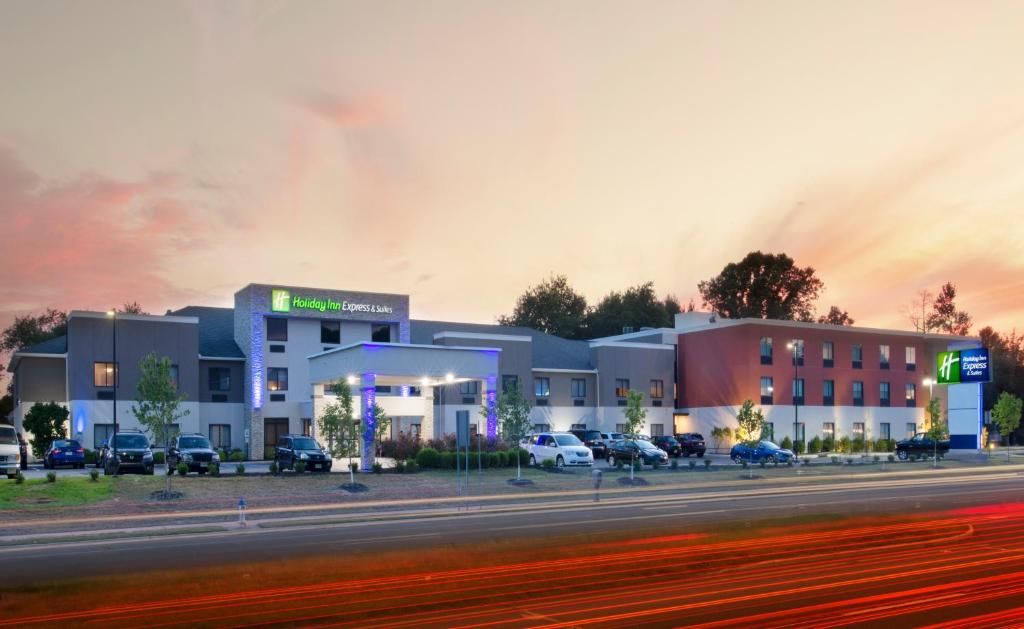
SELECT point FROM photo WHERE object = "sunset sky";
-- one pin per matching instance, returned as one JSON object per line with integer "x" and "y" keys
{"x": 171, "y": 152}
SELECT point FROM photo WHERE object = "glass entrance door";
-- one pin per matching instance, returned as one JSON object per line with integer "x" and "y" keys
{"x": 273, "y": 429}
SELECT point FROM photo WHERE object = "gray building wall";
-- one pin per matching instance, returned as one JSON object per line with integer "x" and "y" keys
{"x": 561, "y": 387}
{"x": 41, "y": 380}
{"x": 237, "y": 369}
{"x": 637, "y": 364}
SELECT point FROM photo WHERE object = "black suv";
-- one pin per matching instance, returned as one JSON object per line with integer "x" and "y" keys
{"x": 193, "y": 449}
{"x": 294, "y": 448}
{"x": 592, "y": 439}
{"x": 669, "y": 444}
{"x": 133, "y": 453}
{"x": 691, "y": 443}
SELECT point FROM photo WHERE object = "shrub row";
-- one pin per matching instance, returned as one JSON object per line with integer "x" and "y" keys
{"x": 431, "y": 458}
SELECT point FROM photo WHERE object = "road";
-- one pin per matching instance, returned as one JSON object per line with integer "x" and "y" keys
{"x": 883, "y": 567}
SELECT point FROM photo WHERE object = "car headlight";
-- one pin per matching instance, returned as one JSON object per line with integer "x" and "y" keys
{"x": 303, "y": 456}
{"x": 186, "y": 456}
{"x": 216, "y": 457}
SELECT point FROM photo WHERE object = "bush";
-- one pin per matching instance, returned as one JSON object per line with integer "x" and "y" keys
{"x": 239, "y": 468}
{"x": 745, "y": 464}
{"x": 692, "y": 463}
{"x": 674, "y": 465}
{"x": 353, "y": 467}
{"x": 524, "y": 456}
{"x": 805, "y": 462}
{"x": 814, "y": 446}
{"x": 94, "y": 475}
{"x": 834, "y": 460}
{"x": 273, "y": 468}
{"x": 638, "y": 465}
{"x": 657, "y": 464}
{"x": 798, "y": 447}
{"x": 411, "y": 466}
{"x": 399, "y": 467}
{"x": 429, "y": 458}
{"x": 849, "y": 461}
{"x": 547, "y": 464}
{"x": 183, "y": 469}
{"x": 504, "y": 459}
{"x": 892, "y": 458}
{"x": 90, "y": 457}
{"x": 158, "y": 457}
{"x": 707, "y": 464}
{"x": 843, "y": 445}
{"x": 405, "y": 447}
{"x": 300, "y": 467}
{"x": 828, "y": 445}
{"x": 876, "y": 458}
{"x": 19, "y": 478}
{"x": 857, "y": 445}
{"x": 214, "y": 469}
{"x": 618, "y": 464}
{"x": 447, "y": 461}
{"x": 494, "y": 459}
{"x": 787, "y": 443}
{"x": 377, "y": 468}
{"x": 237, "y": 456}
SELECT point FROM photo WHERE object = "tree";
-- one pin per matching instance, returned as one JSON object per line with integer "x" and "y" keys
{"x": 338, "y": 426}
{"x": 945, "y": 317}
{"x": 750, "y": 422}
{"x": 132, "y": 308}
{"x": 30, "y": 330}
{"x": 381, "y": 424}
{"x": 836, "y": 316}
{"x": 46, "y": 422}
{"x": 157, "y": 402}
{"x": 638, "y": 307}
{"x": 636, "y": 417}
{"x": 1006, "y": 416}
{"x": 937, "y": 430}
{"x": 513, "y": 411}
{"x": 765, "y": 286}
{"x": 720, "y": 434}
{"x": 552, "y": 306}
{"x": 917, "y": 311}
{"x": 1007, "y": 352}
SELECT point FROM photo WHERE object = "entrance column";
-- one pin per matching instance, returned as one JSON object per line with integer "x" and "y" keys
{"x": 367, "y": 400}
{"x": 427, "y": 424}
{"x": 318, "y": 407}
{"x": 491, "y": 401}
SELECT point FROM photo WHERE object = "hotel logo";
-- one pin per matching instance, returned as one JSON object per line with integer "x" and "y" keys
{"x": 963, "y": 366}
{"x": 280, "y": 300}
{"x": 948, "y": 364}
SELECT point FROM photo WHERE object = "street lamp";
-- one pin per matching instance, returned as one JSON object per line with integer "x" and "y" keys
{"x": 112, "y": 313}
{"x": 792, "y": 346}
{"x": 928, "y": 382}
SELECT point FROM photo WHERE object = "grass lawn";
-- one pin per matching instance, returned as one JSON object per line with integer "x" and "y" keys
{"x": 65, "y": 492}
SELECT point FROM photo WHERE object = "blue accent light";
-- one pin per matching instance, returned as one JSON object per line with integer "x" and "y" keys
{"x": 256, "y": 359}
{"x": 492, "y": 407}
{"x": 404, "y": 390}
{"x": 80, "y": 422}
{"x": 369, "y": 399}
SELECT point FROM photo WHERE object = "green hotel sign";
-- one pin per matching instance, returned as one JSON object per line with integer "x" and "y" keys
{"x": 963, "y": 366}
{"x": 282, "y": 300}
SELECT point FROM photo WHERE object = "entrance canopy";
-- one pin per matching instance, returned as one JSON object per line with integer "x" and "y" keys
{"x": 403, "y": 363}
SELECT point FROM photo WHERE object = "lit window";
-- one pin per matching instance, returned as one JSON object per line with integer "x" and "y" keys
{"x": 621, "y": 387}
{"x": 277, "y": 379}
{"x": 657, "y": 388}
{"x": 542, "y": 387}
{"x": 579, "y": 387}
{"x": 104, "y": 374}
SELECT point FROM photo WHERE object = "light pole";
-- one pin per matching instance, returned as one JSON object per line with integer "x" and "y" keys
{"x": 112, "y": 313}
{"x": 792, "y": 346}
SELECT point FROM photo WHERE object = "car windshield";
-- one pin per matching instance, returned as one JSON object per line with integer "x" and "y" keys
{"x": 193, "y": 442}
{"x": 617, "y": 436}
{"x": 644, "y": 445}
{"x": 8, "y": 437}
{"x": 669, "y": 440}
{"x": 304, "y": 443}
{"x": 131, "y": 441}
{"x": 567, "y": 440}
{"x": 769, "y": 445}
{"x": 593, "y": 434}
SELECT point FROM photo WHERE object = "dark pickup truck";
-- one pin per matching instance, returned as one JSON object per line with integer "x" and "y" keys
{"x": 920, "y": 446}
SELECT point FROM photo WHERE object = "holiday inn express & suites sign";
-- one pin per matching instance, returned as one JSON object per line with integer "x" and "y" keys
{"x": 965, "y": 365}
{"x": 282, "y": 300}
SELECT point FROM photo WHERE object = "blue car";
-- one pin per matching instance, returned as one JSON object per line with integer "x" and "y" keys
{"x": 64, "y": 452}
{"x": 761, "y": 451}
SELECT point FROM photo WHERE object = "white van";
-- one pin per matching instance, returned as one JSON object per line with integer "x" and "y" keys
{"x": 10, "y": 453}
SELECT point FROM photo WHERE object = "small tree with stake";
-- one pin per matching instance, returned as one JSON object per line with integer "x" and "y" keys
{"x": 338, "y": 426}
{"x": 636, "y": 416}
{"x": 750, "y": 426}
{"x": 513, "y": 412}
{"x": 937, "y": 429}
{"x": 156, "y": 404}
{"x": 1006, "y": 416}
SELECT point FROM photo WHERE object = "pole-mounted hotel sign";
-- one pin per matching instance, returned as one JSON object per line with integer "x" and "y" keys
{"x": 282, "y": 300}
{"x": 965, "y": 365}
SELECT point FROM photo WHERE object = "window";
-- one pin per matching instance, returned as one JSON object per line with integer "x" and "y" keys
{"x": 220, "y": 436}
{"x": 828, "y": 354}
{"x": 828, "y": 430}
{"x": 579, "y": 387}
{"x": 277, "y": 349}
{"x": 172, "y": 434}
{"x": 657, "y": 388}
{"x": 380, "y": 333}
{"x": 884, "y": 432}
{"x": 220, "y": 379}
{"x": 578, "y": 402}
{"x": 766, "y": 350}
{"x": 330, "y": 331}
{"x": 541, "y": 427}
{"x": 797, "y": 349}
{"x": 621, "y": 387}
{"x": 277, "y": 379}
{"x": 509, "y": 383}
{"x": 469, "y": 387}
{"x": 657, "y": 430}
{"x": 858, "y": 430}
{"x": 883, "y": 356}
{"x": 542, "y": 387}
{"x": 798, "y": 391}
{"x": 828, "y": 393}
{"x": 307, "y": 426}
{"x": 174, "y": 376}
{"x": 911, "y": 355}
{"x": 766, "y": 390}
{"x": 101, "y": 433}
{"x": 277, "y": 329}
{"x": 858, "y": 393}
{"x": 801, "y": 431}
{"x": 857, "y": 354}
{"x": 768, "y": 431}
{"x": 911, "y": 429}
{"x": 104, "y": 374}
{"x": 911, "y": 393}
{"x": 883, "y": 394}
{"x": 621, "y": 428}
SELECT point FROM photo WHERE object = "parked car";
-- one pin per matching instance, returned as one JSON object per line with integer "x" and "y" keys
{"x": 10, "y": 453}
{"x": 561, "y": 447}
{"x": 64, "y": 452}
{"x": 293, "y": 448}
{"x": 133, "y": 452}
{"x": 669, "y": 444}
{"x": 193, "y": 449}
{"x": 691, "y": 443}
{"x": 629, "y": 450}
{"x": 920, "y": 445}
{"x": 593, "y": 440}
{"x": 761, "y": 451}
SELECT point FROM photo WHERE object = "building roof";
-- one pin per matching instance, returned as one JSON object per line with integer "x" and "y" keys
{"x": 549, "y": 351}
{"x": 56, "y": 345}
{"x": 216, "y": 330}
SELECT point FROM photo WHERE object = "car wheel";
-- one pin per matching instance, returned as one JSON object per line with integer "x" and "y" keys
{"x": 533, "y": 461}
{"x": 737, "y": 458}
{"x": 559, "y": 461}
{"x": 903, "y": 455}
{"x": 611, "y": 461}
{"x": 771, "y": 460}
